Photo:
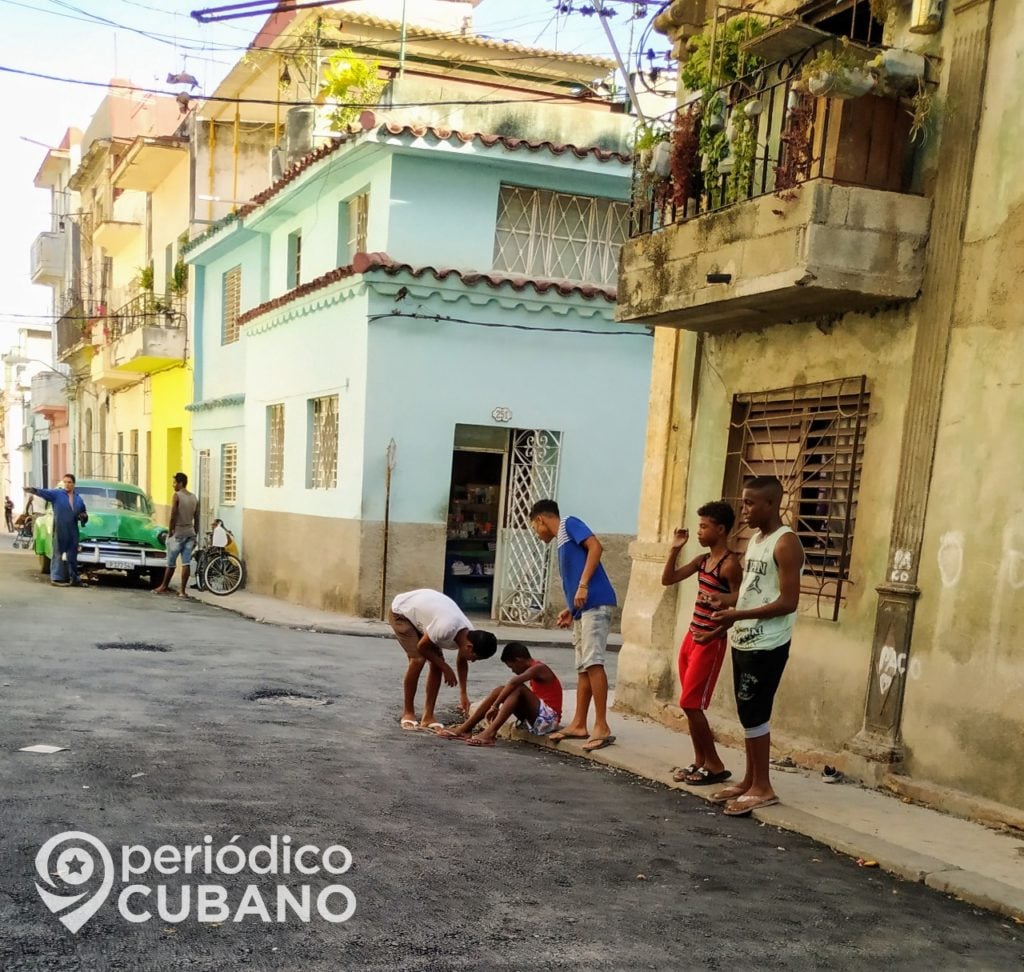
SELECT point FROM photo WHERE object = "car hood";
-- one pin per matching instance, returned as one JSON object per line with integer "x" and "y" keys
{"x": 123, "y": 526}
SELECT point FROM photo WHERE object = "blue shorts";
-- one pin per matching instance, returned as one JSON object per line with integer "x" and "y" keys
{"x": 546, "y": 720}
{"x": 180, "y": 547}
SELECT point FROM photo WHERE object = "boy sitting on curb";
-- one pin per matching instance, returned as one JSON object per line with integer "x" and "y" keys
{"x": 537, "y": 706}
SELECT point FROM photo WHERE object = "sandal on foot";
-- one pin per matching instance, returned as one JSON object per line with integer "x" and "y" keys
{"x": 704, "y": 777}
{"x": 679, "y": 773}
{"x": 745, "y": 805}
{"x": 431, "y": 726}
{"x": 593, "y": 745}
{"x": 410, "y": 725}
{"x": 557, "y": 737}
{"x": 479, "y": 741}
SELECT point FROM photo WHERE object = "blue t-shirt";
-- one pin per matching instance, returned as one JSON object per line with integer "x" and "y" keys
{"x": 572, "y": 558}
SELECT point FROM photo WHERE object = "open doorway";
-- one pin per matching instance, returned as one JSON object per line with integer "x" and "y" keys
{"x": 479, "y": 460}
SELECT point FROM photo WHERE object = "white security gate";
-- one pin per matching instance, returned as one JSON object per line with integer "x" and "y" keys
{"x": 523, "y": 570}
{"x": 205, "y": 499}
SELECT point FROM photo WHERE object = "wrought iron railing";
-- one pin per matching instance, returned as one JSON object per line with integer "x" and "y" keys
{"x": 774, "y": 136}
{"x": 121, "y": 467}
{"x": 146, "y": 310}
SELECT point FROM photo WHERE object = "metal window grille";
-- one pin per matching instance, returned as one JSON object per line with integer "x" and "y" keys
{"x": 558, "y": 236}
{"x": 358, "y": 221}
{"x": 231, "y": 305}
{"x": 229, "y": 473}
{"x": 812, "y": 438}
{"x": 275, "y": 445}
{"x": 205, "y": 499}
{"x": 323, "y": 443}
{"x": 133, "y": 448}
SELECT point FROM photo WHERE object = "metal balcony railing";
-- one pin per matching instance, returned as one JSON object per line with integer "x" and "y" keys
{"x": 146, "y": 310}
{"x": 770, "y": 135}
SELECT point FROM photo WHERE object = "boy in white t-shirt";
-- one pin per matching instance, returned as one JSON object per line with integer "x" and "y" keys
{"x": 424, "y": 622}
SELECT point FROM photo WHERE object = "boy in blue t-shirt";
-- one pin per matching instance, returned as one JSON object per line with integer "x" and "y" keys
{"x": 590, "y": 599}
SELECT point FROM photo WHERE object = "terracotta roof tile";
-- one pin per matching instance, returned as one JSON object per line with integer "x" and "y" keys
{"x": 370, "y": 122}
{"x": 368, "y": 262}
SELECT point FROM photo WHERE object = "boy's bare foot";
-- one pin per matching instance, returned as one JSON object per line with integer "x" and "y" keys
{"x": 569, "y": 732}
{"x": 481, "y": 740}
{"x": 455, "y": 733}
{"x": 729, "y": 793}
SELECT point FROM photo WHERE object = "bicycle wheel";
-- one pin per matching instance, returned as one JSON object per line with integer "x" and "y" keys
{"x": 223, "y": 574}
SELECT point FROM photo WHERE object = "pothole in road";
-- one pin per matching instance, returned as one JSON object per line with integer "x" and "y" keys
{"x": 286, "y": 697}
{"x": 130, "y": 646}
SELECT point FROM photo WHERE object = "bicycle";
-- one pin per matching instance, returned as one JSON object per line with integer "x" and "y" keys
{"x": 216, "y": 566}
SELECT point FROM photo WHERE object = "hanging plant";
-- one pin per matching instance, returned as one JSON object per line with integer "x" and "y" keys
{"x": 837, "y": 73}
{"x": 743, "y": 151}
{"x": 715, "y": 58}
{"x": 797, "y": 151}
{"x": 685, "y": 155}
{"x": 353, "y": 81}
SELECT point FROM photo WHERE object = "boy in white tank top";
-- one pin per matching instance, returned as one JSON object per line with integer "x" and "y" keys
{"x": 762, "y": 626}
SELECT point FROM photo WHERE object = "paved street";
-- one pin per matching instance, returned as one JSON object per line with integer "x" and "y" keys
{"x": 514, "y": 858}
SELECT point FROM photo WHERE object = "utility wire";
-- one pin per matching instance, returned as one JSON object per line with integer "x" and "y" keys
{"x": 445, "y": 319}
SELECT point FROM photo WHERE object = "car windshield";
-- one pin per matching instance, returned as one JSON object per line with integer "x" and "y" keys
{"x": 97, "y": 498}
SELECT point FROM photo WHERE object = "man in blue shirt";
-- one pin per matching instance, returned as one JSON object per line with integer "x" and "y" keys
{"x": 589, "y": 598}
{"x": 68, "y": 511}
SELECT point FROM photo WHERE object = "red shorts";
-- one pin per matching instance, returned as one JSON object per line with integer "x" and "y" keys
{"x": 699, "y": 666}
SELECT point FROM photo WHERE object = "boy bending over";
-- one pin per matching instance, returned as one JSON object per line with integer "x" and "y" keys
{"x": 537, "y": 706}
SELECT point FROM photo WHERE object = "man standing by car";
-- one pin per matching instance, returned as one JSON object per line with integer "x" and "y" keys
{"x": 68, "y": 512}
{"x": 181, "y": 534}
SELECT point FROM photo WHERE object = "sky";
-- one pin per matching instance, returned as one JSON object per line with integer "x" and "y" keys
{"x": 144, "y": 40}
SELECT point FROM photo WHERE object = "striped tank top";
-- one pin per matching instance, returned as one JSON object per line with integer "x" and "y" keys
{"x": 710, "y": 583}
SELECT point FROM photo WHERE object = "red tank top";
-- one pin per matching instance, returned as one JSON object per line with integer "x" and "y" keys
{"x": 710, "y": 583}
{"x": 550, "y": 692}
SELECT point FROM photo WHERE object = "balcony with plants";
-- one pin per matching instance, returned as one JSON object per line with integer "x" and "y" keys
{"x": 148, "y": 332}
{"x": 783, "y": 188}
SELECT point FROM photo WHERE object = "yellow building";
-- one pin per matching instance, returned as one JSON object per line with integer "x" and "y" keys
{"x": 832, "y": 301}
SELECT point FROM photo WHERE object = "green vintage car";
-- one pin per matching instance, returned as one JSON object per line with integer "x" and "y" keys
{"x": 121, "y": 533}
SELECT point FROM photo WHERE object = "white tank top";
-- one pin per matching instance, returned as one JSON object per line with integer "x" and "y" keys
{"x": 760, "y": 586}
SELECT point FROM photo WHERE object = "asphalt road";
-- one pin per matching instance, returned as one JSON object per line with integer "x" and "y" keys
{"x": 512, "y": 858}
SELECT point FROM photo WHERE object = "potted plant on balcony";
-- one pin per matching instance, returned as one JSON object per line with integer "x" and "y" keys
{"x": 837, "y": 73}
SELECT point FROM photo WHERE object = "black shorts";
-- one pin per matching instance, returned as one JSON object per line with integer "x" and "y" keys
{"x": 755, "y": 678}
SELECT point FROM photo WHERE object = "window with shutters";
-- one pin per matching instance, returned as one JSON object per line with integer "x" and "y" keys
{"x": 353, "y": 222}
{"x": 229, "y": 473}
{"x": 322, "y": 470}
{"x": 811, "y": 437}
{"x": 294, "y": 259}
{"x": 275, "y": 445}
{"x": 558, "y": 236}
{"x": 231, "y": 305}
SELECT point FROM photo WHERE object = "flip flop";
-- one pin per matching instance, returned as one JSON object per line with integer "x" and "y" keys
{"x": 477, "y": 741}
{"x": 703, "y": 777}
{"x": 410, "y": 725}
{"x": 724, "y": 796}
{"x": 448, "y": 734}
{"x": 431, "y": 726}
{"x": 601, "y": 743}
{"x": 745, "y": 805}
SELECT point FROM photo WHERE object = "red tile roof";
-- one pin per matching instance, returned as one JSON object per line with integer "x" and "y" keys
{"x": 370, "y": 122}
{"x": 368, "y": 262}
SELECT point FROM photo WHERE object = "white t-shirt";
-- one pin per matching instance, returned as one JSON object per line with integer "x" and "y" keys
{"x": 432, "y": 613}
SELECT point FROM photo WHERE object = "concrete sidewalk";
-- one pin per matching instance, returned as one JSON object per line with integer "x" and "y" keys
{"x": 976, "y": 864}
{"x": 270, "y": 610}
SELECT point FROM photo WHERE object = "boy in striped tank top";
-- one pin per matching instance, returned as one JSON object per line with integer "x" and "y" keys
{"x": 703, "y": 649}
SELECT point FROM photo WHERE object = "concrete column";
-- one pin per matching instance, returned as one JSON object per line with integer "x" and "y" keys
{"x": 879, "y": 741}
{"x": 646, "y": 674}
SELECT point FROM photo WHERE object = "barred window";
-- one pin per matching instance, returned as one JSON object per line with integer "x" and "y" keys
{"x": 231, "y": 305}
{"x": 229, "y": 473}
{"x": 558, "y": 236}
{"x": 353, "y": 220}
{"x": 322, "y": 471}
{"x": 811, "y": 437}
{"x": 275, "y": 445}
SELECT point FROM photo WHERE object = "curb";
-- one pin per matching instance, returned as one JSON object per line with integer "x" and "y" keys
{"x": 968, "y": 886}
{"x": 535, "y": 639}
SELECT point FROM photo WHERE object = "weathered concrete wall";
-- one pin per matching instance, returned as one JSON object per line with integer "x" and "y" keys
{"x": 963, "y": 718}
{"x": 827, "y": 250}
